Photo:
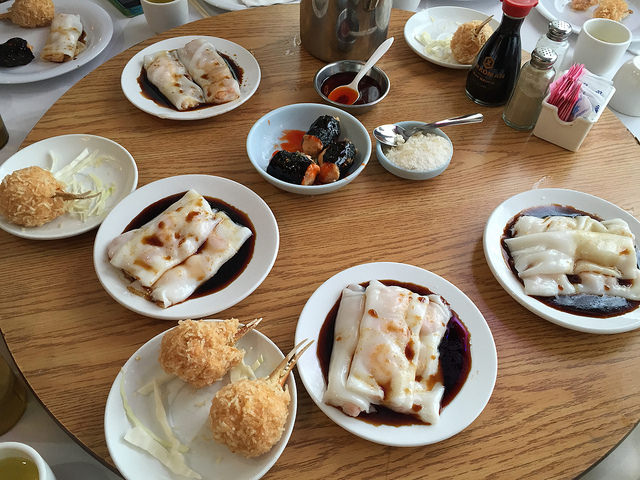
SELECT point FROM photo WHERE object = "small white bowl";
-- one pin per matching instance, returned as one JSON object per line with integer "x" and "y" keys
{"x": 265, "y": 137}
{"x": 404, "y": 172}
{"x": 20, "y": 450}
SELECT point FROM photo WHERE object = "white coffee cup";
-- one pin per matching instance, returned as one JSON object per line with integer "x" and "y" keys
{"x": 601, "y": 44}
{"x": 163, "y": 16}
{"x": 20, "y": 450}
{"x": 627, "y": 82}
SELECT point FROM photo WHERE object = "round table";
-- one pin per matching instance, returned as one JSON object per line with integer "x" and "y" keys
{"x": 562, "y": 398}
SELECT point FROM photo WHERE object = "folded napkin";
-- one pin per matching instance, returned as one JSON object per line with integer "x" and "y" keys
{"x": 264, "y": 3}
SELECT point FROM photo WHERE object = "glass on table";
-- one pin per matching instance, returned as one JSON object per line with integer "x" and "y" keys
{"x": 13, "y": 397}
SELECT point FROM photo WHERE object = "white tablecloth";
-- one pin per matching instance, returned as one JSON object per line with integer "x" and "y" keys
{"x": 22, "y": 106}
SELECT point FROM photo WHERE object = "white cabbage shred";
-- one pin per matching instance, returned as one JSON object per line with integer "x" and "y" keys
{"x": 76, "y": 180}
{"x": 169, "y": 451}
{"x": 437, "y": 48}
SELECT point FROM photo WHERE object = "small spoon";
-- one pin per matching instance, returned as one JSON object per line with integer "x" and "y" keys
{"x": 388, "y": 134}
{"x": 349, "y": 94}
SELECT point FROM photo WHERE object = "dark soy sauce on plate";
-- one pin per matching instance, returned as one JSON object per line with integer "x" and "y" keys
{"x": 580, "y": 304}
{"x": 233, "y": 267}
{"x": 369, "y": 89}
{"x": 455, "y": 360}
{"x": 151, "y": 92}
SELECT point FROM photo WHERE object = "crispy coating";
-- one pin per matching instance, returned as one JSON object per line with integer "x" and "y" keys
{"x": 249, "y": 416}
{"x": 613, "y": 9}
{"x": 466, "y": 42}
{"x": 581, "y": 5}
{"x": 31, "y": 13}
{"x": 199, "y": 352}
{"x": 27, "y": 197}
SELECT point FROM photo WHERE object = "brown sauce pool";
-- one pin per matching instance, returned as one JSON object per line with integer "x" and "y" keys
{"x": 580, "y": 304}
{"x": 455, "y": 360}
{"x": 150, "y": 91}
{"x": 233, "y": 267}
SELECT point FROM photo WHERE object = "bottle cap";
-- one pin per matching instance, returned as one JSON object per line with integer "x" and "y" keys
{"x": 518, "y": 8}
{"x": 559, "y": 30}
{"x": 543, "y": 58}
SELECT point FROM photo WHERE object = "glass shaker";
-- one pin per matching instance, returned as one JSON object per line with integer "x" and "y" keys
{"x": 533, "y": 82}
{"x": 557, "y": 39}
{"x": 13, "y": 397}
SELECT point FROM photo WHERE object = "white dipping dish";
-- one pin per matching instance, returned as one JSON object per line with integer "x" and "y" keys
{"x": 96, "y": 23}
{"x": 267, "y": 240}
{"x": 465, "y": 406}
{"x": 265, "y": 138}
{"x": 401, "y": 172}
{"x": 441, "y": 23}
{"x": 494, "y": 230}
{"x": 122, "y": 172}
{"x": 240, "y": 55}
{"x": 187, "y": 414}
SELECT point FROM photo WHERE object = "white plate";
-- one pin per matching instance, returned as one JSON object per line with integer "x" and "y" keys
{"x": 546, "y": 196}
{"x": 97, "y": 25}
{"x": 440, "y": 23}
{"x": 241, "y": 56}
{"x": 467, "y": 404}
{"x": 234, "y": 5}
{"x": 561, "y": 10}
{"x": 122, "y": 173}
{"x": 267, "y": 240}
{"x": 188, "y": 415}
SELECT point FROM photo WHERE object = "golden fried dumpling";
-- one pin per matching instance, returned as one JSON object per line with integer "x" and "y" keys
{"x": 613, "y": 9}
{"x": 30, "y": 13}
{"x": 467, "y": 41}
{"x": 31, "y": 197}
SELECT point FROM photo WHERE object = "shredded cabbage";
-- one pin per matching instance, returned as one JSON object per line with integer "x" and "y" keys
{"x": 169, "y": 452}
{"x": 77, "y": 181}
{"x": 439, "y": 49}
{"x": 242, "y": 370}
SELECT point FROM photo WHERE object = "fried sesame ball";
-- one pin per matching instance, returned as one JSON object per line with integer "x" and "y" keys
{"x": 200, "y": 352}
{"x": 466, "y": 43}
{"x": 27, "y": 197}
{"x": 249, "y": 416}
{"x": 31, "y": 13}
{"x": 612, "y": 9}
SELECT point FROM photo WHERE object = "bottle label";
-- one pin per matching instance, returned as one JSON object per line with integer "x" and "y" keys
{"x": 486, "y": 73}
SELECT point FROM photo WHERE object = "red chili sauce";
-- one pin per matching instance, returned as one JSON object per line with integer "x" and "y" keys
{"x": 368, "y": 88}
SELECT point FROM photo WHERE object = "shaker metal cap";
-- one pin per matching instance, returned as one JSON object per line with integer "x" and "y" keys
{"x": 559, "y": 30}
{"x": 543, "y": 57}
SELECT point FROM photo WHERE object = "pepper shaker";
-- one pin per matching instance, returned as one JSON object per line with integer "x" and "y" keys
{"x": 533, "y": 82}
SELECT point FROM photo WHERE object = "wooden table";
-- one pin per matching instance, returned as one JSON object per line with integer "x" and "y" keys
{"x": 562, "y": 399}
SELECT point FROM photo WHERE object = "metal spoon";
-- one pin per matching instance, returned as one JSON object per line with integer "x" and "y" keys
{"x": 349, "y": 94}
{"x": 388, "y": 134}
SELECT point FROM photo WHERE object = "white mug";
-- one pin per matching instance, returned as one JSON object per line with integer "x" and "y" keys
{"x": 601, "y": 44}
{"x": 165, "y": 15}
{"x": 20, "y": 450}
{"x": 627, "y": 82}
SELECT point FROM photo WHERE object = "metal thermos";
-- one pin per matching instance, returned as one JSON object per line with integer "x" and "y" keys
{"x": 343, "y": 29}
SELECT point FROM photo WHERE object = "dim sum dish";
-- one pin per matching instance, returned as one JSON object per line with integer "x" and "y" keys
{"x": 187, "y": 411}
{"x": 113, "y": 170}
{"x": 384, "y": 368}
{"x": 201, "y": 245}
{"x": 308, "y": 148}
{"x": 568, "y": 257}
{"x": 78, "y": 33}
{"x": 190, "y": 78}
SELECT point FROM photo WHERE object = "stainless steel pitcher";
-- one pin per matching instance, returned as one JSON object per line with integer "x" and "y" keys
{"x": 343, "y": 29}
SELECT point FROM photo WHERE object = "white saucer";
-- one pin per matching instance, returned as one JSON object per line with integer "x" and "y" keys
{"x": 241, "y": 56}
{"x": 546, "y": 196}
{"x": 122, "y": 173}
{"x": 267, "y": 240}
{"x": 465, "y": 406}
{"x": 187, "y": 410}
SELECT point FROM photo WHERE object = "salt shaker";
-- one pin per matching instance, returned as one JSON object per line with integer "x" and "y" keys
{"x": 557, "y": 39}
{"x": 533, "y": 82}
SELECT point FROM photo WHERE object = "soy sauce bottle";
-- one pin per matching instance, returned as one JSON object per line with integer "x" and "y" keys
{"x": 494, "y": 72}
